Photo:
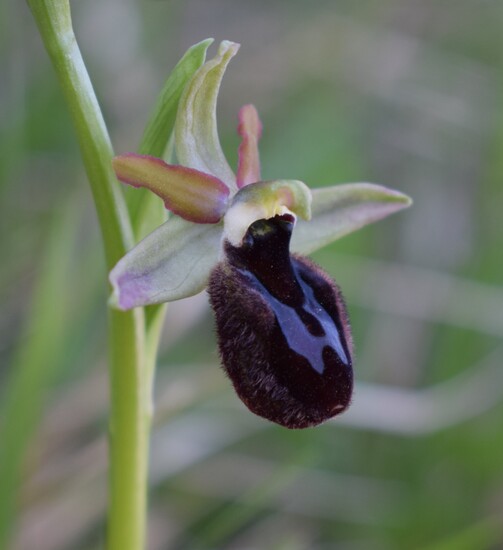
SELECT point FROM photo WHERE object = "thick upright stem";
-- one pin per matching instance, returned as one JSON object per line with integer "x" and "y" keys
{"x": 129, "y": 379}
{"x": 129, "y": 432}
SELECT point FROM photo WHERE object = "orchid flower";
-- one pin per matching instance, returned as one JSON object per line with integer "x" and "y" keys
{"x": 283, "y": 332}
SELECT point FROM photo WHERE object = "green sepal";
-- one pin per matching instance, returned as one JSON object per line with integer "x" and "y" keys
{"x": 171, "y": 263}
{"x": 196, "y": 137}
{"x": 342, "y": 209}
{"x": 147, "y": 212}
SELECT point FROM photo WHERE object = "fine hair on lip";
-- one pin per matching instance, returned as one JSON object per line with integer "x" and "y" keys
{"x": 282, "y": 329}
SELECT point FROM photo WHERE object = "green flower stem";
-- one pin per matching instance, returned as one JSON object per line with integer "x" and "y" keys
{"x": 130, "y": 419}
{"x": 130, "y": 397}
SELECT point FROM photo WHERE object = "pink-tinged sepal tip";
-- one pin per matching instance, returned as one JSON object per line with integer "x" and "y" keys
{"x": 250, "y": 130}
{"x": 189, "y": 193}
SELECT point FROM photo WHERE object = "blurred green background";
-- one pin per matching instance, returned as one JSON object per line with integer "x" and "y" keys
{"x": 404, "y": 93}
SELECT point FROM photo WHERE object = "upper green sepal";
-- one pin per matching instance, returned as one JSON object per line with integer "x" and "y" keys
{"x": 196, "y": 135}
{"x": 162, "y": 119}
{"x": 145, "y": 210}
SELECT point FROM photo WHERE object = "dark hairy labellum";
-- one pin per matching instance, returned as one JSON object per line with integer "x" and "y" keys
{"x": 282, "y": 329}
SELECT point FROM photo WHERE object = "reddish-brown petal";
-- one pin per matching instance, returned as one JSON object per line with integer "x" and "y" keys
{"x": 250, "y": 129}
{"x": 189, "y": 193}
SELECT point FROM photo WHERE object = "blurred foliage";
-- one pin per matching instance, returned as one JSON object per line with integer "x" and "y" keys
{"x": 407, "y": 94}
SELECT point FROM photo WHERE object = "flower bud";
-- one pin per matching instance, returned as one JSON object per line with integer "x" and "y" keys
{"x": 282, "y": 328}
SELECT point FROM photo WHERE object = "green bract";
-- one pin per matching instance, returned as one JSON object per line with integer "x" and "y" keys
{"x": 212, "y": 204}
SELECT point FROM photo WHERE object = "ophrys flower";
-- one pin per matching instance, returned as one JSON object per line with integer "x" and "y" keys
{"x": 283, "y": 332}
